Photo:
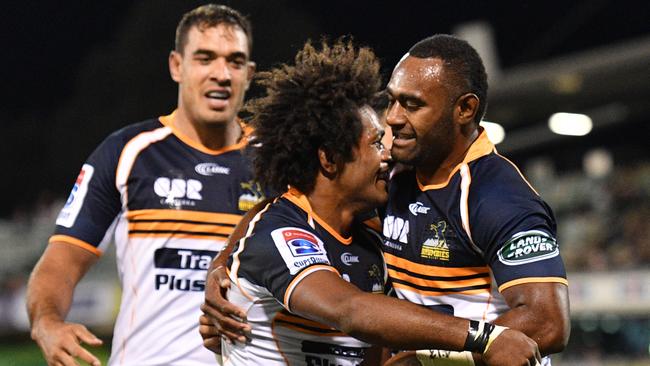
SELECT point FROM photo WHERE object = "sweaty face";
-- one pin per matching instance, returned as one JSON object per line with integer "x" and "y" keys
{"x": 420, "y": 112}
{"x": 213, "y": 72}
{"x": 365, "y": 178}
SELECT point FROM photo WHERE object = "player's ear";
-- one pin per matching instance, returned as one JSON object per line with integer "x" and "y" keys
{"x": 251, "y": 72}
{"x": 327, "y": 164}
{"x": 466, "y": 108}
{"x": 175, "y": 60}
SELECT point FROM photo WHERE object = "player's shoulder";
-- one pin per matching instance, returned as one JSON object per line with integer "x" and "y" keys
{"x": 281, "y": 214}
{"x": 496, "y": 173}
{"x": 132, "y": 130}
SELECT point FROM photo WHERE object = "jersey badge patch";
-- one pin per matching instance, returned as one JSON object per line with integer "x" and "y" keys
{"x": 70, "y": 211}
{"x": 435, "y": 246}
{"x": 253, "y": 194}
{"x": 299, "y": 248}
{"x": 528, "y": 246}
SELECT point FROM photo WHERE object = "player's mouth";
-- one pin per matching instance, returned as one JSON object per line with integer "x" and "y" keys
{"x": 218, "y": 99}
{"x": 402, "y": 139}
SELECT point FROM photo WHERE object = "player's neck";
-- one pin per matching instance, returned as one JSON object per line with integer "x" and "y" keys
{"x": 329, "y": 206}
{"x": 212, "y": 136}
{"x": 433, "y": 173}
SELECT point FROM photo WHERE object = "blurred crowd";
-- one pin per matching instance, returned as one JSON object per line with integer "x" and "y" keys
{"x": 602, "y": 218}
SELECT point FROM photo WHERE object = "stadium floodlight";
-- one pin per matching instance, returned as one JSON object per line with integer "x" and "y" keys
{"x": 571, "y": 124}
{"x": 495, "y": 131}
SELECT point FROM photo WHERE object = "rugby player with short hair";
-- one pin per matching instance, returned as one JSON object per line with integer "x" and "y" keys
{"x": 168, "y": 191}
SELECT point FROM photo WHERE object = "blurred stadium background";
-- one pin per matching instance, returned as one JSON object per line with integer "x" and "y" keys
{"x": 73, "y": 72}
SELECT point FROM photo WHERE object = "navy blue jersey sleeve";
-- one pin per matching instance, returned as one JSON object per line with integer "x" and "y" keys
{"x": 278, "y": 259}
{"x": 94, "y": 201}
{"x": 513, "y": 227}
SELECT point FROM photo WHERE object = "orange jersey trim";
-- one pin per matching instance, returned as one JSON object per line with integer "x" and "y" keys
{"x": 305, "y": 272}
{"x": 180, "y": 226}
{"x": 178, "y": 235}
{"x": 520, "y": 174}
{"x": 76, "y": 242}
{"x": 440, "y": 293}
{"x": 533, "y": 280}
{"x": 184, "y": 216}
{"x": 428, "y": 270}
{"x": 440, "y": 283}
{"x": 168, "y": 121}
{"x": 480, "y": 147}
{"x": 301, "y": 201}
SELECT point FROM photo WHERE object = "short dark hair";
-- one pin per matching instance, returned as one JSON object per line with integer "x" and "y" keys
{"x": 462, "y": 60}
{"x": 310, "y": 105}
{"x": 211, "y": 15}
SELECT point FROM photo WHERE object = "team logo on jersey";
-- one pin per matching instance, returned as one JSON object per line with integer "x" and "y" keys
{"x": 70, "y": 211}
{"x": 436, "y": 247}
{"x": 418, "y": 208}
{"x": 528, "y": 246}
{"x": 177, "y": 192}
{"x": 396, "y": 231}
{"x": 348, "y": 259}
{"x": 253, "y": 194}
{"x": 376, "y": 279}
{"x": 299, "y": 248}
{"x": 210, "y": 169}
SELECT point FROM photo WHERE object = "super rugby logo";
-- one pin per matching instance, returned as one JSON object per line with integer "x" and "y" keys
{"x": 299, "y": 248}
{"x": 528, "y": 246}
{"x": 73, "y": 205}
{"x": 301, "y": 243}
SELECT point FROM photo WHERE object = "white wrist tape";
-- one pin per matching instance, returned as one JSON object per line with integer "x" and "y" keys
{"x": 437, "y": 357}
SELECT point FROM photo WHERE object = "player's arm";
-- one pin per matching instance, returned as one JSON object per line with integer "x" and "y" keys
{"x": 216, "y": 308}
{"x": 49, "y": 297}
{"x": 325, "y": 297}
{"x": 541, "y": 311}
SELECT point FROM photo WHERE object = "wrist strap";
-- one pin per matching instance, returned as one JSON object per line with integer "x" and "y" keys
{"x": 495, "y": 333}
{"x": 478, "y": 335}
{"x": 437, "y": 357}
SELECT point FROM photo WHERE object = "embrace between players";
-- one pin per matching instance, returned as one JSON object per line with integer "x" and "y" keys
{"x": 455, "y": 232}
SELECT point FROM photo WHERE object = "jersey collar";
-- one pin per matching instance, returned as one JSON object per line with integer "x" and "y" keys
{"x": 167, "y": 121}
{"x": 299, "y": 199}
{"x": 480, "y": 147}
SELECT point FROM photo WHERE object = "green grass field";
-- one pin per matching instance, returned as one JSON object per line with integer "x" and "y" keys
{"x": 26, "y": 353}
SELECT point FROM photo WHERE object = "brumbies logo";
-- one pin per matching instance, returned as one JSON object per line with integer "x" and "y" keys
{"x": 253, "y": 194}
{"x": 436, "y": 247}
{"x": 528, "y": 246}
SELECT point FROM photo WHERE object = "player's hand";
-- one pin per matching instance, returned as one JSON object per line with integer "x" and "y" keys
{"x": 61, "y": 342}
{"x": 222, "y": 314}
{"x": 210, "y": 335}
{"x": 512, "y": 348}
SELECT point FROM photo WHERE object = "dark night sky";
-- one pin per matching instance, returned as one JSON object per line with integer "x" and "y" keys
{"x": 74, "y": 71}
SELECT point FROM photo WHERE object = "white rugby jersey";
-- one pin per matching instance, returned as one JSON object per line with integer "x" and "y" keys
{"x": 284, "y": 244}
{"x": 168, "y": 204}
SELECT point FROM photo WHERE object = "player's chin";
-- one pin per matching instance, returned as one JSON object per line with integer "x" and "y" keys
{"x": 381, "y": 193}
{"x": 220, "y": 116}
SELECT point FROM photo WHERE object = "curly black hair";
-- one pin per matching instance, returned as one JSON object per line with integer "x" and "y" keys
{"x": 310, "y": 105}
{"x": 462, "y": 60}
